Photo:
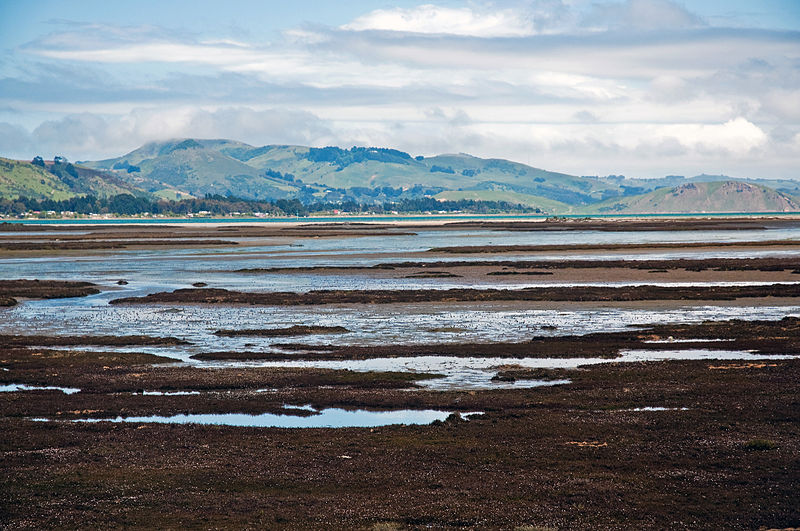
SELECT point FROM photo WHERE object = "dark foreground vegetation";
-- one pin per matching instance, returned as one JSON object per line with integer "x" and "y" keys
{"x": 723, "y": 455}
{"x": 699, "y": 444}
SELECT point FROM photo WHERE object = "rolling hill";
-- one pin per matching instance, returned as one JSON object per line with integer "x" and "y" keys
{"x": 57, "y": 180}
{"x": 702, "y": 197}
{"x": 197, "y": 167}
{"x": 194, "y": 168}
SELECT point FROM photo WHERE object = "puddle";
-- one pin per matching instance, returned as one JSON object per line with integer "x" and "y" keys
{"x": 467, "y": 380}
{"x": 168, "y": 393}
{"x": 325, "y": 418}
{"x": 307, "y": 407}
{"x": 696, "y": 354}
{"x": 657, "y": 408}
{"x": 476, "y": 373}
{"x": 673, "y": 340}
{"x": 11, "y": 388}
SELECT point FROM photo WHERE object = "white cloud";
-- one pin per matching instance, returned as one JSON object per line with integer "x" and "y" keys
{"x": 736, "y": 147}
{"x": 585, "y": 116}
{"x": 156, "y": 52}
{"x": 434, "y": 19}
{"x": 737, "y": 137}
{"x": 430, "y": 79}
{"x": 91, "y": 136}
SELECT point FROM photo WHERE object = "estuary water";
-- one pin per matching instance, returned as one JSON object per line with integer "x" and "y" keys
{"x": 150, "y": 271}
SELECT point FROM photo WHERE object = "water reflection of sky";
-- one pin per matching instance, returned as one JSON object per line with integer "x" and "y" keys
{"x": 148, "y": 271}
{"x": 325, "y": 418}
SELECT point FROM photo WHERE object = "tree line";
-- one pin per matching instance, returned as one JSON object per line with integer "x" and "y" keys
{"x": 130, "y": 205}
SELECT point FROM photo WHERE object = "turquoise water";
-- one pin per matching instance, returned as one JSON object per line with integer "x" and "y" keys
{"x": 330, "y": 219}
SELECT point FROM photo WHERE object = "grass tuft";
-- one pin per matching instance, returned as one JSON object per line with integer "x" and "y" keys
{"x": 760, "y": 445}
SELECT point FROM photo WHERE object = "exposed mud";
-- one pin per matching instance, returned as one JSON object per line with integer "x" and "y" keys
{"x": 85, "y": 340}
{"x": 579, "y": 293}
{"x": 511, "y": 373}
{"x": 763, "y": 337}
{"x": 716, "y": 264}
{"x": 520, "y": 464}
{"x": 132, "y": 373}
{"x": 763, "y": 270}
{"x": 117, "y": 244}
{"x": 433, "y": 274}
{"x": 296, "y": 330}
{"x": 679, "y": 444}
{"x": 18, "y": 360}
{"x": 43, "y": 289}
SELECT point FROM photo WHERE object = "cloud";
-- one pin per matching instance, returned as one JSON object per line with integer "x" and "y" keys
{"x": 585, "y": 116}
{"x": 616, "y": 87}
{"x": 14, "y": 139}
{"x": 737, "y": 137}
{"x": 434, "y": 19}
{"x": 220, "y": 54}
{"x": 88, "y": 135}
{"x": 641, "y": 15}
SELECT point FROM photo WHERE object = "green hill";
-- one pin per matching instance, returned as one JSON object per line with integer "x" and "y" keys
{"x": 194, "y": 168}
{"x": 57, "y": 180}
{"x": 702, "y": 197}
{"x": 19, "y": 178}
{"x": 225, "y": 167}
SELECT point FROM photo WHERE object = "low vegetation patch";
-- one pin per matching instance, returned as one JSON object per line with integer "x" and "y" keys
{"x": 760, "y": 445}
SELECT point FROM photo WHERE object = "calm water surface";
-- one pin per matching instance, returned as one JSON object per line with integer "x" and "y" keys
{"x": 149, "y": 271}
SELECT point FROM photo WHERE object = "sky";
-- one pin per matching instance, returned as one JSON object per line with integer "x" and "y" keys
{"x": 642, "y": 88}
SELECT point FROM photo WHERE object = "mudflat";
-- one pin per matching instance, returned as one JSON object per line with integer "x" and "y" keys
{"x": 610, "y": 374}
{"x": 581, "y": 293}
{"x": 623, "y": 445}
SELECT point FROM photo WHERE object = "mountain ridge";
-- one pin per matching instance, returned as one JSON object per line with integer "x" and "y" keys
{"x": 220, "y": 166}
{"x": 186, "y": 168}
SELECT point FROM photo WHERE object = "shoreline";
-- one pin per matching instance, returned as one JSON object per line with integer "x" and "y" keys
{"x": 418, "y": 219}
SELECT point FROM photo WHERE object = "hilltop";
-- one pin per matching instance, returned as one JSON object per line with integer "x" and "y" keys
{"x": 703, "y": 197}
